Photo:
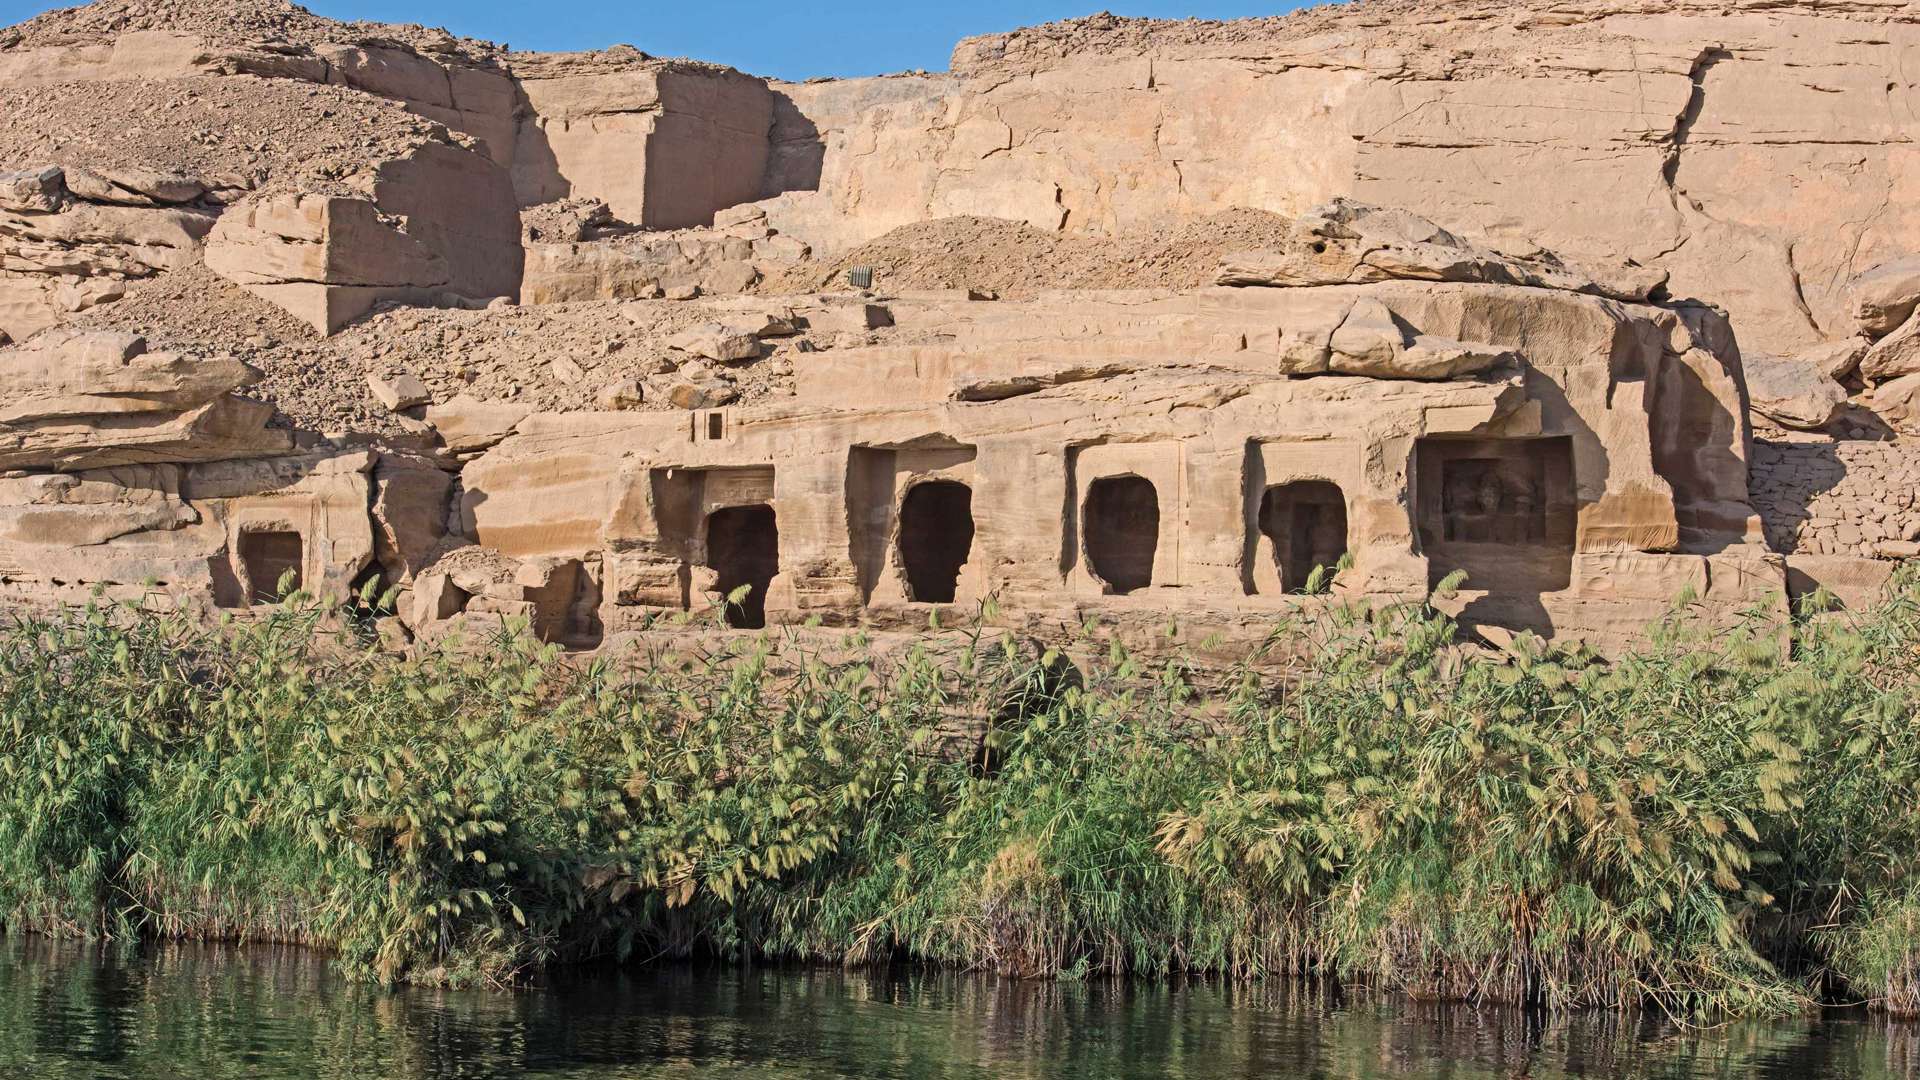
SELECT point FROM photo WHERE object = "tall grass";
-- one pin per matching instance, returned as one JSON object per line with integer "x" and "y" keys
{"x": 1719, "y": 823}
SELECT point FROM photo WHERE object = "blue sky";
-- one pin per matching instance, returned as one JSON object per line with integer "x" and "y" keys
{"x": 790, "y": 39}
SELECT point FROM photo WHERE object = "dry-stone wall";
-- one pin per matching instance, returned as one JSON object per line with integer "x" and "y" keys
{"x": 1836, "y": 497}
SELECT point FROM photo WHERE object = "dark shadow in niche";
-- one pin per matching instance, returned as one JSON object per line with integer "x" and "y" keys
{"x": 936, "y": 536}
{"x": 1306, "y": 521}
{"x": 743, "y": 547}
{"x": 870, "y": 482}
{"x": 267, "y": 557}
{"x": 1122, "y": 527}
{"x": 1512, "y": 611}
{"x": 566, "y": 610}
{"x": 228, "y": 591}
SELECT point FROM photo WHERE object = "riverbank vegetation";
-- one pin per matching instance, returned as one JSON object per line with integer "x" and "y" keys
{"x": 1723, "y": 822}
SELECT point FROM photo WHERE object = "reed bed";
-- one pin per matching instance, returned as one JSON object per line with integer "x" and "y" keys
{"x": 1724, "y": 822}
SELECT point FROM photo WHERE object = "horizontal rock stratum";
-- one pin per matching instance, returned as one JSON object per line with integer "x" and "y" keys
{"x": 1598, "y": 302}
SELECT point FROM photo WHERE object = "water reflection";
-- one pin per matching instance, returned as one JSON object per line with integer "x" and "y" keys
{"x": 213, "y": 1012}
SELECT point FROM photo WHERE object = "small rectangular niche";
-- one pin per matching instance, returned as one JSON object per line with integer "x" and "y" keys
{"x": 712, "y": 425}
{"x": 1297, "y": 494}
{"x": 1503, "y": 510}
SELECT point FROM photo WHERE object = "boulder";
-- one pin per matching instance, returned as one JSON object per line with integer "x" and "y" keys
{"x": 1893, "y": 356}
{"x": 1898, "y": 403}
{"x": 1793, "y": 392}
{"x": 397, "y": 390}
{"x": 719, "y": 342}
{"x": 708, "y": 393}
{"x": 33, "y": 191}
{"x": 628, "y": 394}
{"x": 1884, "y": 296}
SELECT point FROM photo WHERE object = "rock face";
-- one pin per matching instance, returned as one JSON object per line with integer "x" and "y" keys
{"x": 1752, "y": 151}
{"x": 1595, "y": 303}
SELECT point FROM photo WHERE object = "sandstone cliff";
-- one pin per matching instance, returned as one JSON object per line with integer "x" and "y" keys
{"x": 288, "y": 293}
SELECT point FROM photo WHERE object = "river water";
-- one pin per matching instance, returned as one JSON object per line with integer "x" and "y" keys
{"x": 210, "y": 1013}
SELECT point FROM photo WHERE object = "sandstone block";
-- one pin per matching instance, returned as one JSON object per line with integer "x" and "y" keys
{"x": 628, "y": 394}
{"x": 433, "y": 598}
{"x": 66, "y": 374}
{"x": 665, "y": 146}
{"x": 440, "y": 225}
{"x": 1835, "y": 359}
{"x": 719, "y": 342}
{"x": 92, "y": 508}
{"x": 397, "y": 390}
{"x": 467, "y": 424}
{"x": 1893, "y": 356}
{"x": 1884, "y": 296}
{"x": 1793, "y": 392}
{"x": 854, "y": 318}
{"x": 1374, "y": 342}
{"x": 1898, "y": 403}
{"x": 410, "y": 505}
